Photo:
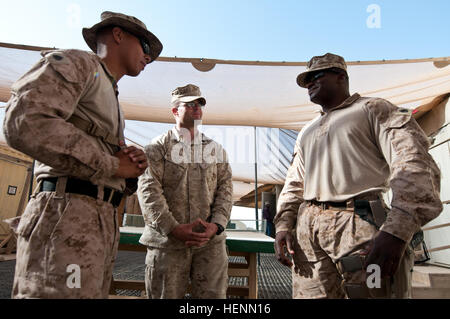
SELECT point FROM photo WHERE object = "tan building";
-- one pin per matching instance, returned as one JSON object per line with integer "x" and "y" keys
{"x": 15, "y": 176}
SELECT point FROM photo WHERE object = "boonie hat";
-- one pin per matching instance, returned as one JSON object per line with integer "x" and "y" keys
{"x": 128, "y": 23}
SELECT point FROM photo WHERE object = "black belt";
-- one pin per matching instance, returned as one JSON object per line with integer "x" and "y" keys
{"x": 326, "y": 205}
{"x": 361, "y": 205}
{"x": 78, "y": 186}
{"x": 355, "y": 202}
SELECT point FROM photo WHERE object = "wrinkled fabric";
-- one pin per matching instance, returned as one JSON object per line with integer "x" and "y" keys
{"x": 364, "y": 145}
{"x": 321, "y": 238}
{"x": 291, "y": 195}
{"x": 58, "y": 232}
{"x": 62, "y": 83}
{"x": 180, "y": 186}
{"x": 170, "y": 271}
{"x": 185, "y": 180}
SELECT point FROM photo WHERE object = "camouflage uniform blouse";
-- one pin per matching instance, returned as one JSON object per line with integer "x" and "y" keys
{"x": 184, "y": 181}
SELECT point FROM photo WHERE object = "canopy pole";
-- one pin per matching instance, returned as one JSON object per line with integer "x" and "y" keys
{"x": 256, "y": 185}
{"x": 256, "y": 194}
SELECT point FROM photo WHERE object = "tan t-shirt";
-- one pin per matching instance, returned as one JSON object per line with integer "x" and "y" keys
{"x": 364, "y": 145}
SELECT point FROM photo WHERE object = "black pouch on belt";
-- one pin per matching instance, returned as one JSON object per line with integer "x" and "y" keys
{"x": 362, "y": 209}
{"x": 361, "y": 290}
{"x": 352, "y": 263}
{"x": 372, "y": 212}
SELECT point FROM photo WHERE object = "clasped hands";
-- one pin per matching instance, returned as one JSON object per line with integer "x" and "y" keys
{"x": 132, "y": 162}
{"x": 195, "y": 234}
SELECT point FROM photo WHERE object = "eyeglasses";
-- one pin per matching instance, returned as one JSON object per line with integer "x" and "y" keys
{"x": 192, "y": 105}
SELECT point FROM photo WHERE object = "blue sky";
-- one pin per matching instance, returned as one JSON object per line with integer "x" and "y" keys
{"x": 265, "y": 30}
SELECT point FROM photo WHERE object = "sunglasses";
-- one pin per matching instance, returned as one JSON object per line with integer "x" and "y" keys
{"x": 192, "y": 105}
{"x": 317, "y": 75}
{"x": 144, "y": 44}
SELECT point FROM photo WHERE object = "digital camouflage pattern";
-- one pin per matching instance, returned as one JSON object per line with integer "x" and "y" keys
{"x": 180, "y": 186}
{"x": 187, "y": 93}
{"x": 183, "y": 182}
{"x": 59, "y": 230}
{"x": 322, "y": 62}
{"x": 169, "y": 271}
{"x": 63, "y": 83}
{"x": 130, "y": 24}
{"x": 56, "y": 231}
{"x": 378, "y": 146}
{"x": 363, "y": 146}
{"x": 322, "y": 237}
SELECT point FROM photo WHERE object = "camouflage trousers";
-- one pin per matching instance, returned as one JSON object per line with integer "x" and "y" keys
{"x": 66, "y": 247}
{"x": 170, "y": 271}
{"x": 321, "y": 239}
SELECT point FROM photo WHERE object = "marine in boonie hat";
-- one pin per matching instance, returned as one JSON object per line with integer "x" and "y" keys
{"x": 128, "y": 23}
{"x": 322, "y": 62}
{"x": 187, "y": 93}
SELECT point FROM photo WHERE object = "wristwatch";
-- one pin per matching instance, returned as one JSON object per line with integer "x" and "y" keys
{"x": 220, "y": 229}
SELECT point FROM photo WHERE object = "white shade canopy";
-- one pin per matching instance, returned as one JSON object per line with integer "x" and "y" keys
{"x": 250, "y": 93}
{"x": 247, "y": 94}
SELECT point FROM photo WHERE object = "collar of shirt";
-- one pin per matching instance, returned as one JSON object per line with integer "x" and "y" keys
{"x": 348, "y": 101}
{"x": 185, "y": 137}
{"x": 110, "y": 76}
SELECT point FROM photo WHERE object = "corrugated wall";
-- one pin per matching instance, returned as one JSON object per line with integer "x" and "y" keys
{"x": 437, "y": 232}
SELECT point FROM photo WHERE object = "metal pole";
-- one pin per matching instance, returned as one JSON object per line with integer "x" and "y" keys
{"x": 31, "y": 181}
{"x": 256, "y": 186}
{"x": 256, "y": 192}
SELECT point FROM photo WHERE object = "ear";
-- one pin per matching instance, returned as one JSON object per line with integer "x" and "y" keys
{"x": 175, "y": 111}
{"x": 342, "y": 78}
{"x": 344, "y": 81}
{"x": 118, "y": 34}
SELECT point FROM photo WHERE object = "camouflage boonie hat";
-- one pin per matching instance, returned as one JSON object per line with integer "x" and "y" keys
{"x": 321, "y": 62}
{"x": 187, "y": 93}
{"x": 128, "y": 23}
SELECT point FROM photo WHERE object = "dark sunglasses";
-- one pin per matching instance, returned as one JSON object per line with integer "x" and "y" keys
{"x": 317, "y": 75}
{"x": 144, "y": 44}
